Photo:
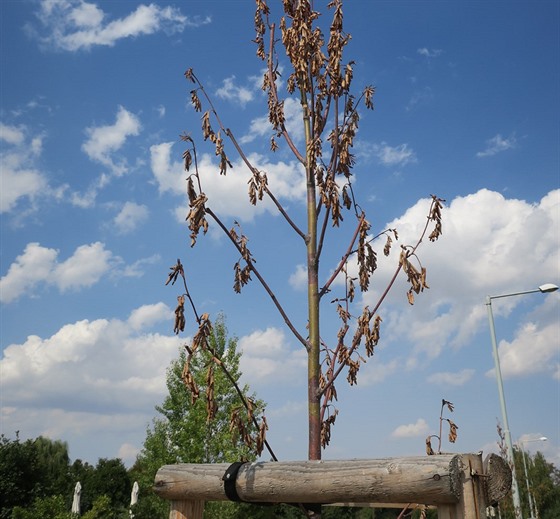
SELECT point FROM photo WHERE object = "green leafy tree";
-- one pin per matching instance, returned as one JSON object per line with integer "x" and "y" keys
{"x": 30, "y": 471}
{"x": 111, "y": 479}
{"x": 53, "y": 463}
{"x": 183, "y": 433}
{"x": 18, "y": 474}
{"x": 544, "y": 483}
{"x": 52, "y": 507}
{"x": 103, "y": 508}
{"x": 83, "y": 472}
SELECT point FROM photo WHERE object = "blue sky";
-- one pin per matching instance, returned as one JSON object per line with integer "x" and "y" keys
{"x": 93, "y": 203}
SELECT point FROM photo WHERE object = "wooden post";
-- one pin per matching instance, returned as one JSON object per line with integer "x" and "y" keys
{"x": 459, "y": 485}
{"x": 186, "y": 510}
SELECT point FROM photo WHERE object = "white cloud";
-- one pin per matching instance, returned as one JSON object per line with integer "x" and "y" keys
{"x": 113, "y": 369}
{"x": 169, "y": 176}
{"x": 230, "y": 91}
{"x": 534, "y": 348}
{"x": 413, "y": 430}
{"x": 128, "y": 453}
{"x": 261, "y": 127}
{"x": 394, "y": 156}
{"x": 20, "y": 175}
{"x": 429, "y": 53}
{"x": 74, "y": 25}
{"x": 452, "y": 379}
{"x": 268, "y": 358}
{"x": 298, "y": 280}
{"x": 103, "y": 141}
{"x": 488, "y": 241}
{"x": 497, "y": 144}
{"x": 136, "y": 269}
{"x": 375, "y": 372}
{"x": 148, "y": 315}
{"x": 228, "y": 195}
{"x": 11, "y": 134}
{"x": 130, "y": 217}
{"x": 31, "y": 267}
{"x": 38, "y": 264}
{"x": 84, "y": 268}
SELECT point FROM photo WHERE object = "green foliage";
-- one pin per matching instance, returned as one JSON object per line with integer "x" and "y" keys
{"x": 52, "y": 463}
{"x": 37, "y": 481}
{"x": 18, "y": 474}
{"x": 52, "y": 507}
{"x": 184, "y": 435}
{"x": 104, "y": 508}
{"x": 111, "y": 479}
{"x": 84, "y": 473}
{"x": 544, "y": 482}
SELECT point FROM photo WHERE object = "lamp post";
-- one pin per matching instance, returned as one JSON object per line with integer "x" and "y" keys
{"x": 532, "y": 506}
{"x": 548, "y": 287}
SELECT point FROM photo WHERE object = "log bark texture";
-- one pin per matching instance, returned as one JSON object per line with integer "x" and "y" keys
{"x": 427, "y": 480}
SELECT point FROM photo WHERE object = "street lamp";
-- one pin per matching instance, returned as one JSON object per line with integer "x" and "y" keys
{"x": 548, "y": 287}
{"x": 532, "y": 507}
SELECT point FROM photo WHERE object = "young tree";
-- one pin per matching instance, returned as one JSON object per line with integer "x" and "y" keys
{"x": 321, "y": 81}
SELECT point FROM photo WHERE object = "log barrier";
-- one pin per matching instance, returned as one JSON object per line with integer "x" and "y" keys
{"x": 460, "y": 486}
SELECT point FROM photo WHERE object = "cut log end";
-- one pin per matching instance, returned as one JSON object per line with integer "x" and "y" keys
{"x": 499, "y": 478}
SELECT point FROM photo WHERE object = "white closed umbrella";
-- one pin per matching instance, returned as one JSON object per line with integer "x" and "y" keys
{"x": 134, "y": 496}
{"x": 76, "y": 500}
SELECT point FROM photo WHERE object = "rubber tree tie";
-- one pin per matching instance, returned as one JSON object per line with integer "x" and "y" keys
{"x": 229, "y": 478}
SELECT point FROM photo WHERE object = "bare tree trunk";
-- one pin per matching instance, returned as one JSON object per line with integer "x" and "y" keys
{"x": 313, "y": 351}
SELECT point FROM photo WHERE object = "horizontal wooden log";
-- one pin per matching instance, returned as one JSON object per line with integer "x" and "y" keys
{"x": 427, "y": 479}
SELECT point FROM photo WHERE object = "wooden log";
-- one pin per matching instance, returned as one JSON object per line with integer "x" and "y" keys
{"x": 499, "y": 481}
{"x": 427, "y": 480}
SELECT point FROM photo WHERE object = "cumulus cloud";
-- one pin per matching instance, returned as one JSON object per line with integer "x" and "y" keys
{"x": 30, "y": 268}
{"x": 232, "y": 92}
{"x": 487, "y": 242}
{"x": 73, "y": 25}
{"x": 399, "y": 155}
{"x": 534, "y": 349}
{"x": 21, "y": 177}
{"x": 497, "y": 144}
{"x": 130, "y": 217}
{"x": 84, "y": 268}
{"x": 227, "y": 195}
{"x": 452, "y": 379}
{"x": 88, "y": 373}
{"x": 40, "y": 265}
{"x": 148, "y": 315}
{"x": 267, "y": 357}
{"x": 11, "y": 134}
{"x": 298, "y": 279}
{"x": 412, "y": 430}
{"x": 104, "y": 141}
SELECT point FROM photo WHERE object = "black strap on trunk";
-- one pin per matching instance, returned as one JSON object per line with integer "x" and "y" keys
{"x": 229, "y": 479}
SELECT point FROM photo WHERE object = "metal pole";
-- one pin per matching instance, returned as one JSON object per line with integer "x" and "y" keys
{"x": 507, "y": 434}
{"x": 531, "y": 507}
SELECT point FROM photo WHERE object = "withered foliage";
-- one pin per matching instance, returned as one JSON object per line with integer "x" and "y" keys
{"x": 243, "y": 421}
{"x": 321, "y": 79}
{"x": 179, "y": 315}
{"x": 452, "y": 436}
